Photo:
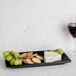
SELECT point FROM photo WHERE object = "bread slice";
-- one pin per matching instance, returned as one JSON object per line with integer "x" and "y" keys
{"x": 36, "y": 60}
{"x": 24, "y": 60}
{"x": 39, "y": 57}
{"x": 23, "y": 55}
{"x": 29, "y": 54}
{"x": 28, "y": 61}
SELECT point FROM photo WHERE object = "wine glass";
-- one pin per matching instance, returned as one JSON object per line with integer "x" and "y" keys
{"x": 72, "y": 30}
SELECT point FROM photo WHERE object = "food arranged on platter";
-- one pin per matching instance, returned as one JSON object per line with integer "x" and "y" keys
{"x": 32, "y": 57}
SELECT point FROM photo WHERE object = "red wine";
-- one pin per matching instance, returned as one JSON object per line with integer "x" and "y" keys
{"x": 72, "y": 29}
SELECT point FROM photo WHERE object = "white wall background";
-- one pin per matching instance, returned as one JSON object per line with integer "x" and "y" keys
{"x": 35, "y": 24}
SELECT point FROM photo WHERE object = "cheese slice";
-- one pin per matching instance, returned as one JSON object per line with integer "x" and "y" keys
{"x": 51, "y": 56}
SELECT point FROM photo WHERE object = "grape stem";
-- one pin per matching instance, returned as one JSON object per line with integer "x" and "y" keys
{"x": 12, "y": 53}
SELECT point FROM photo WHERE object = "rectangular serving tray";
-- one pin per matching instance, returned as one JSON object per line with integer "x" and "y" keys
{"x": 65, "y": 59}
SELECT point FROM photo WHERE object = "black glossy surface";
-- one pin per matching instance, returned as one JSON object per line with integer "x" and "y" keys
{"x": 65, "y": 59}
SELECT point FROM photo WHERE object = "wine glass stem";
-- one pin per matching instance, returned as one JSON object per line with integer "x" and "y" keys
{"x": 73, "y": 47}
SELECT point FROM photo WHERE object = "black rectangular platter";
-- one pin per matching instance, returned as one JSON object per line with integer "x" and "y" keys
{"x": 65, "y": 59}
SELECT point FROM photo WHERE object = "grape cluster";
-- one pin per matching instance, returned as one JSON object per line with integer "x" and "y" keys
{"x": 59, "y": 51}
{"x": 12, "y": 57}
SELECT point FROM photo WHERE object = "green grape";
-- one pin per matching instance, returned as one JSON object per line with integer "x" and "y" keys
{"x": 60, "y": 51}
{"x": 5, "y": 57}
{"x": 20, "y": 62}
{"x": 16, "y": 55}
{"x": 52, "y": 50}
{"x": 9, "y": 58}
{"x": 5, "y": 53}
{"x": 56, "y": 51}
{"x": 12, "y": 61}
{"x": 17, "y": 62}
{"x": 11, "y": 52}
